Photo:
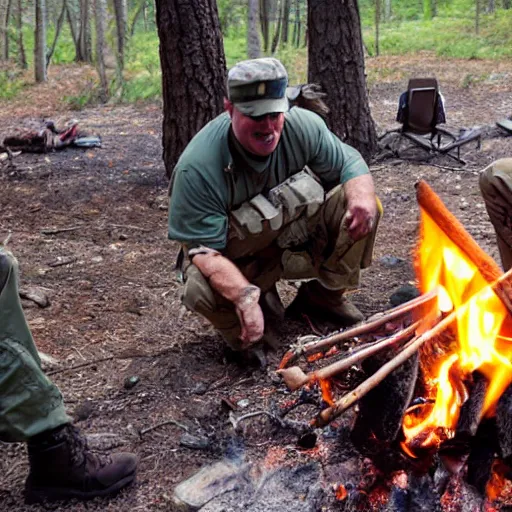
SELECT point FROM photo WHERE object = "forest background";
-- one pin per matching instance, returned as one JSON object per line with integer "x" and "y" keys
{"x": 119, "y": 38}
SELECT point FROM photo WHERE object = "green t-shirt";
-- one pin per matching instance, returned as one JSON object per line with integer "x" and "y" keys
{"x": 214, "y": 175}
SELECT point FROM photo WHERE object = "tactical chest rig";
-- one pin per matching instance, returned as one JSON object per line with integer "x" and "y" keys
{"x": 283, "y": 214}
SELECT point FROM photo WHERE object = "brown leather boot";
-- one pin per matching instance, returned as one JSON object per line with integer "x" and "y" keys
{"x": 318, "y": 302}
{"x": 62, "y": 467}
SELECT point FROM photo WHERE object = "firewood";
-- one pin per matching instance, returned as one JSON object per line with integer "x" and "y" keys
{"x": 412, "y": 346}
{"x": 295, "y": 378}
{"x": 373, "y": 324}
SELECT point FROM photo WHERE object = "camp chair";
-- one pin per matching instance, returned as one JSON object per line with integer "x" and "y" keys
{"x": 505, "y": 124}
{"x": 420, "y": 111}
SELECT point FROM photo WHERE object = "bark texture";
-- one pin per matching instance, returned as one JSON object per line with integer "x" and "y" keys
{"x": 253, "y": 33}
{"x": 100, "y": 13}
{"x": 40, "y": 42}
{"x": 121, "y": 10}
{"x": 193, "y": 71}
{"x": 336, "y": 62}
{"x": 4, "y": 40}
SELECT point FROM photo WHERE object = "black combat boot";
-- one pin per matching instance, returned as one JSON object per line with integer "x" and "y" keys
{"x": 318, "y": 302}
{"x": 62, "y": 467}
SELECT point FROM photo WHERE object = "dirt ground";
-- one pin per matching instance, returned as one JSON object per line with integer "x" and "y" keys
{"x": 115, "y": 310}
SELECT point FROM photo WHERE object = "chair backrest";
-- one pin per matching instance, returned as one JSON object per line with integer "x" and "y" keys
{"x": 422, "y": 97}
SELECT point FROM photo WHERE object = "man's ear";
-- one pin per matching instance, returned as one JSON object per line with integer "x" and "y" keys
{"x": 228, "y": 106}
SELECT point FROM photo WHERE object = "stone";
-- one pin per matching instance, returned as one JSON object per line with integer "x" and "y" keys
{"x": 389, "y": 261}
{"x": 209, "y": 482}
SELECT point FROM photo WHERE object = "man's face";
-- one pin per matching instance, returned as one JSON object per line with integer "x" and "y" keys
{"x": 258, "y": 136}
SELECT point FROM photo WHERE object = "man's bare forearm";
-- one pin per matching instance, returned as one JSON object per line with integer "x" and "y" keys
{"x": 223, "y": 275}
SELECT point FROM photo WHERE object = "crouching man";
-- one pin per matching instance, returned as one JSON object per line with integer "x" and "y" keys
{"x": 32, "y": 411}
{"x": 496, "y": 188}
{"x": 264, "y": 193}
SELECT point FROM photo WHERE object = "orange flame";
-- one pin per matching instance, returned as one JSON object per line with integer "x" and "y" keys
{"x": 479, "y": 346}
{"x": 341, "y": 492}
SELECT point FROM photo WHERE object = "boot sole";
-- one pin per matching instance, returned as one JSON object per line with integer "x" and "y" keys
{"x": 40, "y": 494}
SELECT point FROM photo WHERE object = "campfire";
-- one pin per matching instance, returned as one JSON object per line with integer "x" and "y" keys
{"x": 443, "y": 359}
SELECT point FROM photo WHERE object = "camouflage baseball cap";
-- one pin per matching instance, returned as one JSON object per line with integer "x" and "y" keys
{"x": 258, "y": 86}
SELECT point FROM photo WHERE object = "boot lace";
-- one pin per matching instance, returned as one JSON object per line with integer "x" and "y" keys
{"x": 81, "y": 453}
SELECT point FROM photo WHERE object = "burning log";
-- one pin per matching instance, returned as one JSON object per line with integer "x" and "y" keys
{"x": 295, "y": 378}
{"x": 504, "y": 424}
{"x": 484, "y": 446}
{"x": 371, "y": 326}
{"x": 471, "y": 410}
{"x": 327, "y": 415}
{"x": 381, "y": 423}
{"x": 450, "y": 225}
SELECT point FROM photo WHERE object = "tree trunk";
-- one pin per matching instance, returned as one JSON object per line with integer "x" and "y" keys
{"x": 286, "y": 21}
{"x": 277, "y": 34}
{"x": 491, "y": 6}
{"x": 193, "y": 71}
{"x": 336, "y": 62}
{"x": 377, "y": 26}
{"x": 296, "y": 25}
{"x": 40, "y": 42}
{"x": 507, "y": 4}
{"x": 253, "y": 34}
{"x": 74, "y": 30}
{"x": 84, "y": 37}
{"x": 4, "y": 19}
{"x": 22, "y": 58}
{"x": 387, "y": 10}
{"x": 100, "y": 14}
{"x": 265, "y": 23}
{"x": 60, "y": 21}
{"x": 139, "y": 9}
{"x": 121, "y": 10}
{"x": 477, "y": 16}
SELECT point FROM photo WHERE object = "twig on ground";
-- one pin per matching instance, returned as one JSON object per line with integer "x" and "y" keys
{"x": 129, "y": 226}
{"x": 7, "y": 238}
{"x": 109, "y": 358}
{"x": 448, "y": 168}
{"x": 297, "y": 427}
{"x": 54, "y": 231}
{"x": 62, "y": 262}
{"x": 162, "y": 424}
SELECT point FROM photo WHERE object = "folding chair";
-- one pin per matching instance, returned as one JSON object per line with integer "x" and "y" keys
{"x": 505, "y": 124}
{"x": 420, "y": 111}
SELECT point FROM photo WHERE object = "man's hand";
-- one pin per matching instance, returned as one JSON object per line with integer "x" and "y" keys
{"x": 250, "y": 315}
{"x": 225, "y": 277}
{"x": 361, "y": 206}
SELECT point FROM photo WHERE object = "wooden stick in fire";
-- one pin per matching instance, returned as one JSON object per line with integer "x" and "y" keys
{"x": 324, "y": 344}
{"x": 430, "y": 202}
{"x": 348, "y": 400}
{"x": 295, "y": 378}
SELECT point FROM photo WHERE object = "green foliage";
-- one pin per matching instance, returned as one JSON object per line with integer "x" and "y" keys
{"x": 411, "y": 27}
{"x": 11, "y": 83}
{"x": 447, "y": 37}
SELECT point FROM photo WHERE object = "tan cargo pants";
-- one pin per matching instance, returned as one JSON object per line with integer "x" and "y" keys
{"x": 496, "y": 188}
{"x": 328, "y": 255}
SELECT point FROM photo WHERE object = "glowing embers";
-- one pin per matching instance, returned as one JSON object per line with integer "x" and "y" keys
{"x": 471, "y": 343}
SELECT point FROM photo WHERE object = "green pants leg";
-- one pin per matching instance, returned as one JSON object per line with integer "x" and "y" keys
{"x": 496, "y": 188}
{"x": 29, "y": 402}
{"x": 329, "y": 256}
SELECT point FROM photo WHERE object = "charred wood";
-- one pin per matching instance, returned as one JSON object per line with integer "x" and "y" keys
{"x": 381, "y": 410}
{"x": 484, "y": 447}
{"x": 504, "y": 424}
{"x": 471, "y": 410}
